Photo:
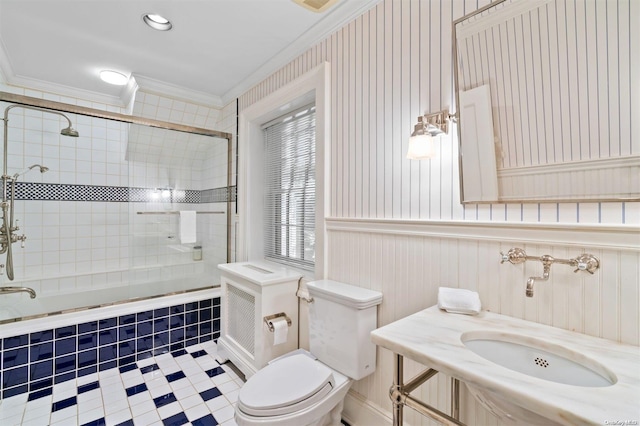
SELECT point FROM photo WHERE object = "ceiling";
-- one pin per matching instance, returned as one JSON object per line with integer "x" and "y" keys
{"x": 216, "y": 50}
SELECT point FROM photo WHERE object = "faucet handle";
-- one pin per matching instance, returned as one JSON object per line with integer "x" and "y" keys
{"x": 587, "y": 262}
{"x": 515, "y": 255}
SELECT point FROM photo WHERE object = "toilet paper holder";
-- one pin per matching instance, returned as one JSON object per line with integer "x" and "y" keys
{"x": 268, "y": 320}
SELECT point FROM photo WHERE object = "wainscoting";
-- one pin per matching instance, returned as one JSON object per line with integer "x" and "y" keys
{"x": 408, "y": 260}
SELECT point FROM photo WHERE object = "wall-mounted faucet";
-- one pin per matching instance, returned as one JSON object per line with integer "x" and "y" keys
{"x": 584, "y": 262}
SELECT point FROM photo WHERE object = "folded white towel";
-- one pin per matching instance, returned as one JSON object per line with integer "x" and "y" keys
{"x": 459, "y": 300}
{"x": 187, "y": 227}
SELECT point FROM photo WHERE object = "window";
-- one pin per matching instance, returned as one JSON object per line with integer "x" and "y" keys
{"x": 290, "y": 188}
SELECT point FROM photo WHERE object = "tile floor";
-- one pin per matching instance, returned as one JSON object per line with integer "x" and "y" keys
{"x": 183, "y": 387}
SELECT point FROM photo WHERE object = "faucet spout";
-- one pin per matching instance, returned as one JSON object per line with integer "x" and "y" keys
{"x": 546, "y": 262}
{"x": 9, "y": 290}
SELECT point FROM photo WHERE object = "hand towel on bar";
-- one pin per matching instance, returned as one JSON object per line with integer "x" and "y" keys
{"x": 187, "y": 227}
{"x": 459, "y": 301}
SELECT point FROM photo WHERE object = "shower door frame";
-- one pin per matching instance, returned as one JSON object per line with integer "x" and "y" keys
{"x": 132, "y": 119}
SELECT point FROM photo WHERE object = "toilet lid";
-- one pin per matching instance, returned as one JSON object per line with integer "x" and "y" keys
{"x": 286, "y": 385}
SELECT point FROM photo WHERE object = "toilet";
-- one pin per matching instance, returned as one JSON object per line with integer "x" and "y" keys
{"x": 308, "y": 388}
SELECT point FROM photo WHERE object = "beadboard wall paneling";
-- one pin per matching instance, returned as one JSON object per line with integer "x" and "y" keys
{"x": 393, "y": 64}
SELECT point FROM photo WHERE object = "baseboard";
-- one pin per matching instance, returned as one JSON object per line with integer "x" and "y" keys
{"x": 359, "y": 412}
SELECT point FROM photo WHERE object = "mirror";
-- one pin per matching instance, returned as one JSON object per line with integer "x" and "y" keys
{"x": 559, "y": 79}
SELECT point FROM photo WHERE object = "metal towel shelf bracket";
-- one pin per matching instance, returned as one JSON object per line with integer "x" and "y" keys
{"x": 269, "y": 320}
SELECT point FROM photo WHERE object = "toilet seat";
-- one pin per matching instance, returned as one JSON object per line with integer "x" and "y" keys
{"x": 285, "y": 386}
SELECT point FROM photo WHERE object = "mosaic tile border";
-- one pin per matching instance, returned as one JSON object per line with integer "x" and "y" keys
{"x": 36, "y": 361}
{"x": 62, "y": 192}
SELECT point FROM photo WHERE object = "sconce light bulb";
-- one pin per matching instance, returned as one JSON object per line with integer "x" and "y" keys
{"x": 420, "y": 147}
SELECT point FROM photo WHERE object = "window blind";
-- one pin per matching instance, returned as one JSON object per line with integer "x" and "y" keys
{"x": 290, "y": 189}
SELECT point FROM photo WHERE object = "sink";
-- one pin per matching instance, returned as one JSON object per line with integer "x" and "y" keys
{"x": 537, "y": 358}
{"x": 522, "y": 371}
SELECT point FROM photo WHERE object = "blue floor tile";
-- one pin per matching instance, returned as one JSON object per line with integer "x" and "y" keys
{"x": 175, "y": 376}
{"x": 210, "y": 394}
{"x": 99, "y": 422}
{"x": 88, "y": 387}
{"x": 61, "y": 405}
{"x": 214, "y": 371}
{"x": 164, "y": 400}
{"x": 127, "y": 423}
{"x": 149, "y": 368}
{"x": 207, "y": 420}
{"x": 198, "y": 353}
{"x": 40, "y": 394}
{"x": 133, "y": 390}
{"x": 176, "y": 420}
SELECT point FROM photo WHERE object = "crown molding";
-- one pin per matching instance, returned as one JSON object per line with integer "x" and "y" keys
{"x": 150, "y": 85}
{"x": 338, "y": 16}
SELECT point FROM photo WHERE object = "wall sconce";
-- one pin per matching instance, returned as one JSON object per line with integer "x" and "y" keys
{"x": 428, "y": 127}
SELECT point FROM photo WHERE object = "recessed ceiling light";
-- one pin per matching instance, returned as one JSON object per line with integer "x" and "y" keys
{"x": 157, "y": 22}
{"x": 114, "y": 77}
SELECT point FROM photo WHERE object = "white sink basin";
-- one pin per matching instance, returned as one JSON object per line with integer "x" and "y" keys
{"x": 538, "y": 359}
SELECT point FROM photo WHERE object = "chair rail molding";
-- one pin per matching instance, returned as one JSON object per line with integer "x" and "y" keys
{"x": 602, "y": 236}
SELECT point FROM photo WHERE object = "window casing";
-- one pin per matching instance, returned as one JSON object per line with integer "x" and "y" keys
{"x": 290, "y": 189}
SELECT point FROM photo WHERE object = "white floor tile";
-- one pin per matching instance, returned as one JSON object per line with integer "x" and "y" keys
{"x": 16, "y": 419}
{"x": 185, "y": 392}
{"x": 224, "y": 414}
{"x": 230, "y": 422}
{"x": 66, "y": 414}
{"x": 218, "y": 403}
{"x": 142, "y": 407}
{"x": 116, "y": 406}
{"x": 147, "y": 418}
{"x": 229, "y": 386}
{"x": 191, "y": 401}
{"x": 232, "y": 397}
{"x": 139, "y": 398}
{"x": 91, "y": 415}
{"x": 169, "y": 410}
{"x": 38, "y": 421}
{"x": 116, "y": 418}
{"x": 197, "y": 412}
{"x": 159, "y": 390}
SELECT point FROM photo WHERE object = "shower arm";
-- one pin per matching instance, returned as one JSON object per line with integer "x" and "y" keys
{"x": 5, "y": 176}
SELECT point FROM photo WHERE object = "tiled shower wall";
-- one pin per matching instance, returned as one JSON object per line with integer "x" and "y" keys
{"x": 397, "y": 225}
{"x": 74, "y": 244}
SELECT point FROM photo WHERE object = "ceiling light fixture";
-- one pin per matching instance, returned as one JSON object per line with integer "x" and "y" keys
{"x": 157, "y": 22}
{"x": 113, "y": 77}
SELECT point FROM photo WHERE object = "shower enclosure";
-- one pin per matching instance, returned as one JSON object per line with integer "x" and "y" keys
{"x": 103, "y": 224}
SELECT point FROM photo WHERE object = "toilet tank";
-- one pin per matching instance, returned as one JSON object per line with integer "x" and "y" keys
{"x": 341, "y": 317}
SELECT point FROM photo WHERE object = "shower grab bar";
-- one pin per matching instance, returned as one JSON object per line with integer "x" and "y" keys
{"x": 8, "y": 290}
{"x": 175, "y": 212}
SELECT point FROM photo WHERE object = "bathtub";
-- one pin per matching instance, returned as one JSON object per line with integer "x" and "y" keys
{"x": 44, "y": 349}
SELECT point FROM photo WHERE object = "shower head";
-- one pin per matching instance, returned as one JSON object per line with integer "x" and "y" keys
{"x": 42, "y": 170}
{"x": 69, "y": 131}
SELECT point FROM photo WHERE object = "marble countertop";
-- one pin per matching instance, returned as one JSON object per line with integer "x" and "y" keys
{"x": 433, "y": 338}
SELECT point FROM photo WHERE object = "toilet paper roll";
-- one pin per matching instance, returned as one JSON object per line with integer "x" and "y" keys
{"x": 280, "y": 331}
